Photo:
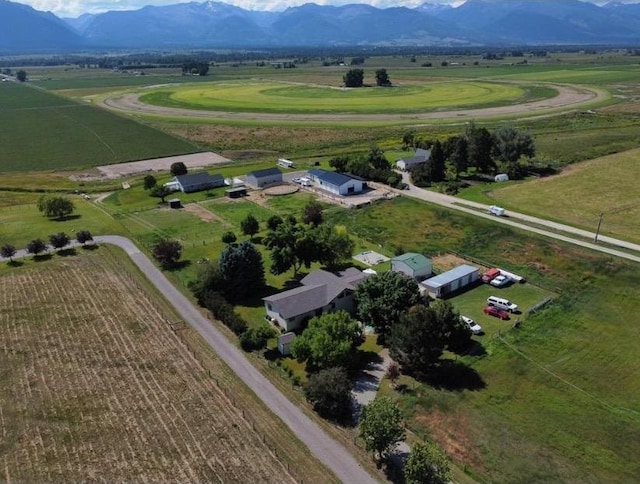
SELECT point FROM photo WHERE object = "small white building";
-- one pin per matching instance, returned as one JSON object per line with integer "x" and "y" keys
{"x": 421, "y": 156}
{"x": 264, "y": 178}
{"x": 451, "y": 281}
{"x": 284, "y": 343}
{"x": 413, "y": 265}
{"x": 501, "y": 177}
{"x": 338, "y": 183}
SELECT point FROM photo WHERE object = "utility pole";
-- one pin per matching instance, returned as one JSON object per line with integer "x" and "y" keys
{"x": 598, "y": 229}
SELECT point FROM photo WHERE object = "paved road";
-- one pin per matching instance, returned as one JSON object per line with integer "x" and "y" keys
{"x": 516, "y": 220}
{"x": 331, "y": 453}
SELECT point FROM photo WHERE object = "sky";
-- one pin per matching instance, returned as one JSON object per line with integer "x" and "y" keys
{"x": 75, "y": 8}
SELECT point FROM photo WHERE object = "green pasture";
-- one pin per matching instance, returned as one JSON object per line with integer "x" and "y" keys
{"x": 581, "y": 193}
{"x": 279, "y": 97}
{"x": 42, "y": 131}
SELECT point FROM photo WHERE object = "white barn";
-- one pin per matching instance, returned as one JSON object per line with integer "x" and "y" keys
{"x": 421, "y": 156}
{"x": 263, "y": 178}
{"x": 451, "y": 281}
{"x": 337, "y": 183}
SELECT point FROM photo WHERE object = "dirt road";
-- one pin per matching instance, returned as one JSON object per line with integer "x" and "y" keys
{"x": 568, "y": 97}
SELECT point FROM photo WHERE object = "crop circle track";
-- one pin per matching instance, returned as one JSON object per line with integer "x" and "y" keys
{"x": 568, "y": 97}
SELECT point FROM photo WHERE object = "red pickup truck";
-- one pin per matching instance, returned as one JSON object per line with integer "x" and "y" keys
{"x": 490, "y": 275}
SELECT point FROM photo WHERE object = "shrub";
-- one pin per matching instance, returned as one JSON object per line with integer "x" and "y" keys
{"x": 256, "y": 338}
{"x": 223, "y": 311}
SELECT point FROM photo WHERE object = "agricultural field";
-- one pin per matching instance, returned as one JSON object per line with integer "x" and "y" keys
{"x": 97, "y": 386}
{"x": 42, "y": 131}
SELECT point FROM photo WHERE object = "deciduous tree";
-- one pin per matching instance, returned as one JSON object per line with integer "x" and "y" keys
{"x": 167, "y": 252}
{"x": 229, "y": 237}
{"x": 382, "y": 78}
{"x": 36, "y": 246}
{"x": 83, "y": 236}
{"x": 178, "y": 168}
{"x": 329, "y": 391}
{"x": 509, "y": 146}
{"x": 381, "y": 426}
{"x": 161, "y": 192}
{"x": 274, "y": 221}
{"x": 354, "y": 78}
{"x": 55, "y": 206}
{"x": 8, "y": 251}
{"x": 427, "y": 464}
{"x": 339, "y": 163}
{"x": 382, "y": 299}
{"x": 328, "y": 341}
{"x": 250, "y": 226}
{"x": 312, "y": 213}
{"x": 150, "y": 182}
{"x": 59, "y": 240}
{"x": 21, "y": 75}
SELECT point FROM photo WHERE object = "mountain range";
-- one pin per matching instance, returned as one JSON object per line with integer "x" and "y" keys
{"x": 212, "y": 24}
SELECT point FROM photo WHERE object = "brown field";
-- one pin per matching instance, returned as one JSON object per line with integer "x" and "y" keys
{"x": 96, "y": 386}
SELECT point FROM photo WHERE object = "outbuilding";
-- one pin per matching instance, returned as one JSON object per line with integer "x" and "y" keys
{"x": 337, "y": 183}
{"x": 175, "y": 203}
{"x": 237, "y": 192}
{"x": 451, "y": 281}
{"x": 196, "y": 182}
{"x": 413, "y": 265}
{"x": 421, "y": 156}
{"x": 263, "y": 178}
{"x": 284, "y": 343}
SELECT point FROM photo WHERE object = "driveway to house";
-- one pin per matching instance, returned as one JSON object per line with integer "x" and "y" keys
{"x": 327, "y": 450}
{"x": 517, "y": 220}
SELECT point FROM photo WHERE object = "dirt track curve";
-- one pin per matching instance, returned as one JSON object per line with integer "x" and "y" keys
{"x": 569, "y": 97}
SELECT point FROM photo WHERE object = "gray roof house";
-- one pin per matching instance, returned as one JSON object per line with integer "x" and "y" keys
{"x": 338, "y": 183}
{"x": 321, "y": 292}
{"x": 421, "y": 156}
{"x": 195, "y": 182}
{"x": 263, "y": 178}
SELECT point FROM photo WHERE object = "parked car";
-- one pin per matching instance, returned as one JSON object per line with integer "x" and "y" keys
{"x": 500, "y": 281}
{"x": 502, "y": 303}
{"x": 473, "y": 326}
{"x": 496, "y": 312}
{"x": 490, "y": 275}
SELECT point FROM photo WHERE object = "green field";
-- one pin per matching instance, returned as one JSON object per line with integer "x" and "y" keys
{"x": 43, "y": 131}
{"x": 280, "y": 97}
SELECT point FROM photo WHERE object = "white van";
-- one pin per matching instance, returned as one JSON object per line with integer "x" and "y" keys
{"x": 497, "y": 211}
{"x": 502, "y": 303}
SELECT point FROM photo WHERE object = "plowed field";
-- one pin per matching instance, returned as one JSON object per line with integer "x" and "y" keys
{"x": 95, "y": 386}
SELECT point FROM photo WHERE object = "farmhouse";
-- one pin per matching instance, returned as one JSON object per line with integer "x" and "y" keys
{"x": 263, "y": 178}
{"x": 421, "y": 156}
{"x": 337, "y": 183}
{"x": 413, "y": 265}
{"x": 451, "y": 281}
{"x": 195, "y": 182}
{"x": 321, "y": 292}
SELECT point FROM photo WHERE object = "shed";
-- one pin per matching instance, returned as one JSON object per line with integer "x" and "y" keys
{"x": 284, "y": 343}
{"x": 421, "y": 156}
{"x": 413, "y": 265}
{"x": 338, "y": 183}
{"x": 263, "y": 178}
{"x": 175, "y": 203}
{"x": 237, "y": 192}
{"x": 451, "y": 281}
{"x": 195, "y": 182}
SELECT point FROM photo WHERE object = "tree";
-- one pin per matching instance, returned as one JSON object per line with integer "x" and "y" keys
{"x": 458, "y": 153}
{"x": 427, "y": 464}
{"x": 354, "y": 78}
{"x": 208, "y": 280}
{"x": 250, "y": 226}
{"x": 59, "y": 240}
{"x": 418, "y": 341}
{"x": 381, "y": 299}
{"x": 242, "y": 271}
{"x": 480, "y": 147}
{"x": 8, "y": 251}
{"x": 274, "y": 221}
{"x": 161, "y": 192}
{"x": 292, "y": 246}
{"x": 381, "y": 426}
{"x": 312, "y": 213}
{"x": 83, "y": 236}
{"x": 509, "y": 146}
{"x": 408, "y": 140}
{"x": 229, "y": 237}
{"x": 393, "y": 373}
{"x": 21, "y": 75}
{"x": 334, "y": 245}
{"x": 436, "y": 164}
{"x": 36, "y": 246}
{"x": 55, "y": 206}
{"x": 382, "y": 78}
{"x": 167, "y": 252}
{"x": 328, "y": 341}
{"x": 377, "y": 159}
{"x": 178, "y": 168}
{"x": 339, "y": 163}
{"x": 256, "y": 338}
{"x": 329, "y": 391}
{"x": 456, "y": 333}
{"x": 150, "y": 182}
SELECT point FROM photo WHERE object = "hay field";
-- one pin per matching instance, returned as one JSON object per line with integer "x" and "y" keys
{"x": 96, "y": 386}
{"x": 606, "y": 185}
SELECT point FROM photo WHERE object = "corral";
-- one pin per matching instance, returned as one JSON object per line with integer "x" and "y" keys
{"x": 97, "y": 385}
